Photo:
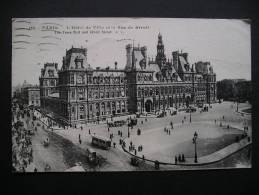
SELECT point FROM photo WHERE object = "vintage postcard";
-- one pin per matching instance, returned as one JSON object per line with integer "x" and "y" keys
{"x": 130, "y": 94}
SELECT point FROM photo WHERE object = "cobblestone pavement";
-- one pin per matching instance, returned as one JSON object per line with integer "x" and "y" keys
{"x": 116, "y": 160}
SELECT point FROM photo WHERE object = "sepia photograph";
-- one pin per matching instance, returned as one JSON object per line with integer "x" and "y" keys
{"x": 131, "y": 94}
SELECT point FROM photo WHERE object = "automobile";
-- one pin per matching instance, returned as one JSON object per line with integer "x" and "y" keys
{"x": 134, "y": 161}
{"x": 161, "y": 115}
{"x": 91, "y": 156}
{"x": 200, "y": 105}
{"x": 31, "y": 132}
{"x": 191, "y": 109}
{"x": 77, "y": 168}
{"x": 174, "y": 112}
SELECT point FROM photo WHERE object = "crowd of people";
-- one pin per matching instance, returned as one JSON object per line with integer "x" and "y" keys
{"x": 179, "y": 159}
{"x": 22, "y": 152}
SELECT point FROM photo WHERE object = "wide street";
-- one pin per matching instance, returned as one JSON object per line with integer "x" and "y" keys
{"x": 64, "y": 150}
{"x": 159, "y": 146}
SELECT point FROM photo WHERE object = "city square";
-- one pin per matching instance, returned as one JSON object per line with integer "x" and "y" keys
{"x": 157, "y": 145}
{"x": 142, "y": 114}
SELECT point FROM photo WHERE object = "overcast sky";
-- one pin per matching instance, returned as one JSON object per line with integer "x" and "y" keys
{"x": 225, "y": 43}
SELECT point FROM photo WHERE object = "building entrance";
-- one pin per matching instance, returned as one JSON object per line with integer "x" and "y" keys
{"x": 187, "y": 101}
{"x": 148, "y": 106}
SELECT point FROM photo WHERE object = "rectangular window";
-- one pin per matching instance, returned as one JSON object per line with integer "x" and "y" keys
{"x": 101, "y": 95}
{"x": 73, "y": 94}
{"x": 72, "y": 79}
{"x": 81, "y": 94}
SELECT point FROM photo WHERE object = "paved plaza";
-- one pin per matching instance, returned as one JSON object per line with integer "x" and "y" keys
{"x": 157, "y": 145}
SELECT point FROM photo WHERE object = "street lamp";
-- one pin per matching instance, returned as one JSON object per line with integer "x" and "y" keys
{"x": 128, "y": 128}
{"x": 194, "y": 141}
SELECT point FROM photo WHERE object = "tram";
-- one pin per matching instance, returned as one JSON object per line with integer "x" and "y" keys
{"x": 101, "y": 142}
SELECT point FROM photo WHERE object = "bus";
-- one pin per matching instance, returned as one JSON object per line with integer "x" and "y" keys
{"x": 101, "y": 142}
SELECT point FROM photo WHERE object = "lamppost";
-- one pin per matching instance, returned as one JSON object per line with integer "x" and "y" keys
{"x": 128, "y": 128}
{"x": 194, "y": 141}
{"x": 237, "y": 104}
{"x": 190, "y": 116}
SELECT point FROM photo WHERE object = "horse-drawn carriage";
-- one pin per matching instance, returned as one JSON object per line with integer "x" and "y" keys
{"x": 132, "y": 122}
{"x": 46, "y": 142}
{"x": 47, "y": 168}
{"x": 92, "y": 156}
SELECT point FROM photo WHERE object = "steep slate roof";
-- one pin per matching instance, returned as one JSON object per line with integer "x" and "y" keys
{"x": 138, "y": 58}
{"x": 182, "y": 63}
{"x": 49, "y": 67}
{"x": 153, "y": 67}
{"x": 72, "y": 55}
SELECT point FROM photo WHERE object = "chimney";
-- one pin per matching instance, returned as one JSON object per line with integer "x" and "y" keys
{"x": 115, "y": 65}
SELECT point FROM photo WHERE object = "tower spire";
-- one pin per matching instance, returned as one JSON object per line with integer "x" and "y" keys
{"x": 160, "y": 57}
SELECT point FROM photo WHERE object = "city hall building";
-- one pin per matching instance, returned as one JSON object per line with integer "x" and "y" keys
{"x": 77, "y": 93}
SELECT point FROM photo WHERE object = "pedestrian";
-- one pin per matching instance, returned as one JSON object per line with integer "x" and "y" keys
{"x": 143, "y": 157}
{"x": 80, "y": 141}
{"x": 215, "y": 121}
{"x": 79, "y": 136}
{"x": 89, "y": 131}
{"x": 183, "y": 158}
{"x": 135, "y": 152}
{"x": 114, "y": 144}
{"x": 175, "y": 160}
{"x": 179, "y": 158}
{"x": 81, "y": 128}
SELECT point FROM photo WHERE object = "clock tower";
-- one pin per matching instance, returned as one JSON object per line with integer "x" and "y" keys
{"x": 160, "y": 57}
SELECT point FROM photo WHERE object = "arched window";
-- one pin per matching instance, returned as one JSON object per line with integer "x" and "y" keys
{"x": 82, "y": 108}
{"x": 150, "y": 92}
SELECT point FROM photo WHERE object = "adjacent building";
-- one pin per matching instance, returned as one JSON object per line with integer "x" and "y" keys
{"x": 30, "y": 95}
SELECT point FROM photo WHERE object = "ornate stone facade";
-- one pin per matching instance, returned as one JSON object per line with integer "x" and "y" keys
{"x": 85, "y": 94}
